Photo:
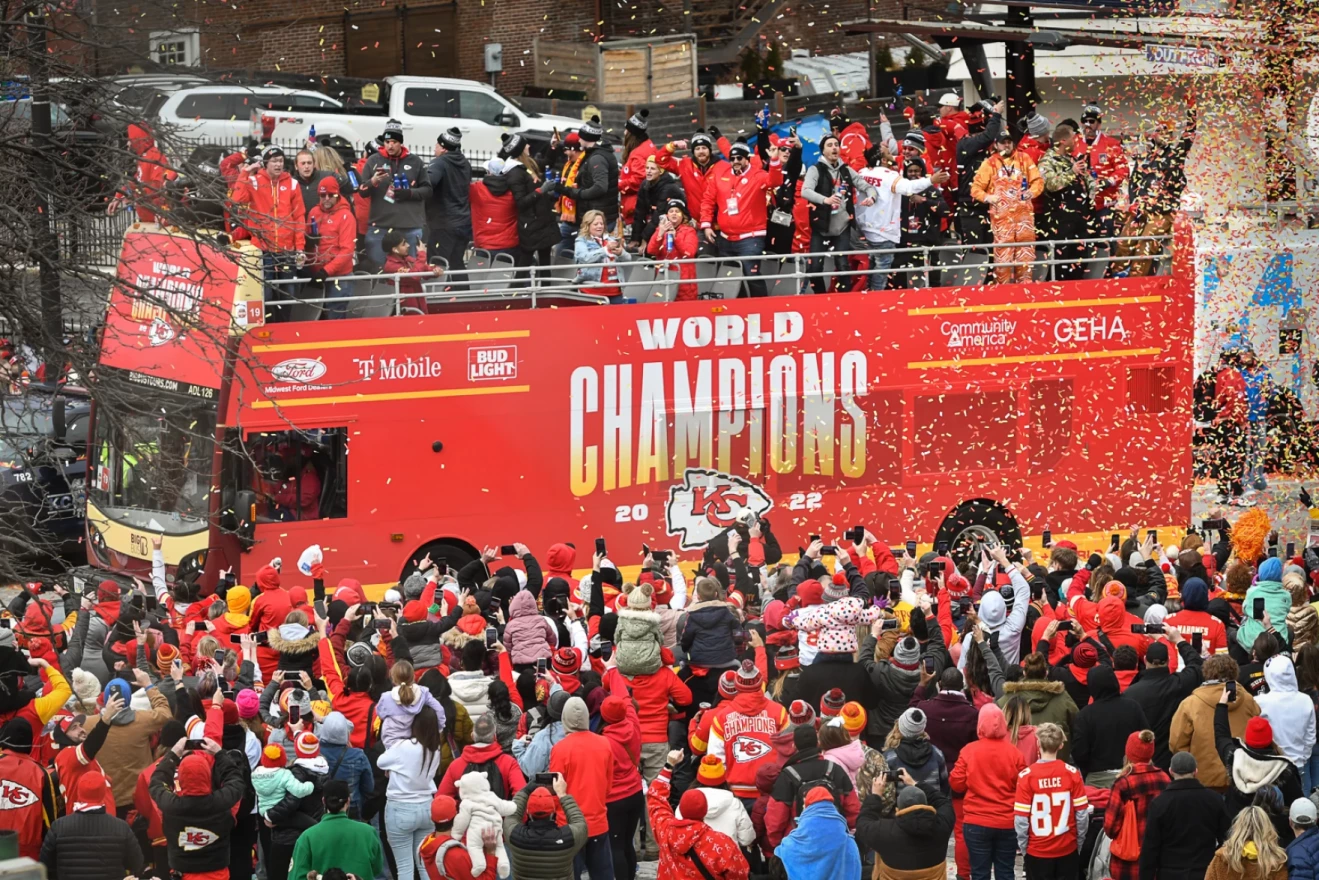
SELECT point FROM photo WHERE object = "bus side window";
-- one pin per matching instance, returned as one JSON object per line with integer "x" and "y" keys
{"x": 297, "y": 474}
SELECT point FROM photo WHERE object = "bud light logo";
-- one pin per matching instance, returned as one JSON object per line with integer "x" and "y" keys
{"x": 298, "y": 371}
{"x": 15, "y": 797}
{"x": 707, "y": 502}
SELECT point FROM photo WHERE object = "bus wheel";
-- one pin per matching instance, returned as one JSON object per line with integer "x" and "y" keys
{"x": 973, "y": 522}
{"x": 455, "y": 553}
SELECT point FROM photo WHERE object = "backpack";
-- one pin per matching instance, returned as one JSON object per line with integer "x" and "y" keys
{"x": 798, "y": 799}
{"x": 492, "y": 774}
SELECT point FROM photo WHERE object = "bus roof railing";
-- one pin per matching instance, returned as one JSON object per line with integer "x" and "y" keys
{"x": 656, "y": 281}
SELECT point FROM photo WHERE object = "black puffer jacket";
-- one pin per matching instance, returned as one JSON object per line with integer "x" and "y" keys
{"x": 91, "y": 846}
{"x": 707, "y": 635}
{"x": 538, "y": 227}
{"x": 913, "y": 839}
{"x": 293, "y": 815}
{"x": 449, "y": 208}
{"x": 597, "y": 184}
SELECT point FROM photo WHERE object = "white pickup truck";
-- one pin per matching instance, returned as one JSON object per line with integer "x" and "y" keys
{"x": 426, "y": 106}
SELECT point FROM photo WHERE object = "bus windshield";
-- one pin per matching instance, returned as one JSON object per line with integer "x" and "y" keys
{"x": 153, "y": 469}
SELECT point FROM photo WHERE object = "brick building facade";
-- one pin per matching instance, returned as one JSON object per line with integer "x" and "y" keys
{"x": 386, "y": 37}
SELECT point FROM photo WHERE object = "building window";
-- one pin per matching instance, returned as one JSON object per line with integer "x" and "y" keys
{"x": 180, "y": 48}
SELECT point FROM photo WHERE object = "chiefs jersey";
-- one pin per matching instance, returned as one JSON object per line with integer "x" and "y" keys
{"x": 742, "y": 736}
{"x": 1050, "y": 794}
{"x": 1213, "y": 635}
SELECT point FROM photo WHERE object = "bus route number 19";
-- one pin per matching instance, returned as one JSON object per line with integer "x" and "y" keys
{"x": 633, "y": 513}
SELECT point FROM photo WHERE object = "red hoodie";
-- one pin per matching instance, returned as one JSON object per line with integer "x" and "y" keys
{"x": 739, "y": 203}
{"x": 559, "y": 562}
{"x": 153, "y": 171}
{"x": 986, "y": 772}
{"x": 268, "y": 611}
{"x": 481, "y": 753}
{"x": 632, "y": 175}
{"x": 1116, "y": 624}
{"x": 275, "y": 213}
{"x": 586, "y": 761}
{"x": 625, "y": 742}
{"x": 853, "y": 142}
{"x": 653, "y": 692}
{"x": 337, "y": 238}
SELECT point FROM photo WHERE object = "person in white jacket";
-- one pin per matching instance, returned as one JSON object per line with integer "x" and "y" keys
{"x": 880, "y": 223}
{"x": 995, "y": 616}
{"x": 723, "y": 811}
{"x": 1289, "y": 711}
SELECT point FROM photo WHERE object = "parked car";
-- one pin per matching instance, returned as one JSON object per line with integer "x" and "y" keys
{"x": 43, "y": 470}
{"x": 135, "y": 91}
{"x": 223, "y": 113}
{"x": 425, "y": 106}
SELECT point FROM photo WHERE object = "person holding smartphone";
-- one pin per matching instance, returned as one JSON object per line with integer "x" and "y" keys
{"x": 1266, "y": 597}
{"x": 1193, "y": 724}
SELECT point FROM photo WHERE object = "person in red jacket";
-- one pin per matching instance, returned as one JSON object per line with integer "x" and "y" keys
{"x": 399, "y": 260}
{"x": 29, "y": 792}
{"x": 77, "y": 752}
{"x": 986, "y": 772}
{"x": 272, "y": 209}
{"x": 737, "y": 199}
{"x": 1108, "y": 165}
{"x": 742, "y": 731}
{"x": 484, "y": 749}
{"x": 586, "y": 761}
{"x": 494, "y": 217}
{"x": 694, "y": 170}
{"x": 653, "y": 693}
{"x": 268, "y": 611}
{"x": 445, "y": 857}
{"x": 953, "y": 120}
{"x": 675, "y": 239}
{"x": 682, "y": 842}
{"x": 637, "y": 150}
{"x": 147, "y": 190}
{"x": 624, "y": 804}
{"x": 333, "y": 234}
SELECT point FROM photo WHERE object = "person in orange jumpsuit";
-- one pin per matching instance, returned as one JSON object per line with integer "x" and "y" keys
{"x": 1007, "y": 181}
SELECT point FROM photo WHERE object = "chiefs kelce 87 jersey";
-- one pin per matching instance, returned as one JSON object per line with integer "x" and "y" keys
{"x": 1051, "y": 799}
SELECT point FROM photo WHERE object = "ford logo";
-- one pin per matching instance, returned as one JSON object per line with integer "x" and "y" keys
{"x": 300, "y": 371}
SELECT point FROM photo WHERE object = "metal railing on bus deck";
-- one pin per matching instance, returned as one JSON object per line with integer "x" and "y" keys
{"x": 502, "y": 284}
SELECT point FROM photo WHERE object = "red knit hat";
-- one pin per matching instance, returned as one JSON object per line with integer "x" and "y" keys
{"x": 613, "y": 709}
{"x": 810, "y": 593}
{"x": 832, "y": 703}
{"x": 567, "y": 661}
{"x": 693, "y": 805}
{"x": 541, "y": 803}
{"x": 749, "y": 678}
{"x": 273, "y": 756}
{"x": 1065, "y": 545}
{"x": 230, "y": 710}
{"x": 1140, "y": 752}
{"x": 1084, "y": 655}
{"x": 414, "y": 611}
{"x": 728, "y": 684}
{"x": 711, "y": 771}
{"x": 787, "y": 658}
{"x": 1259, "y": 733}
{"x": 307, "y": 745}
{"x": 107, "y": 591}
{"x": 801, "y": 712}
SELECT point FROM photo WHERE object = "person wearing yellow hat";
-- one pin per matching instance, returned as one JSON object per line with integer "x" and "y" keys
{"x": 723, "y": 812}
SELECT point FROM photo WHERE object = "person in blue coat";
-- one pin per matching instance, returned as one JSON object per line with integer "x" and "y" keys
{"x": 1303, "y": 852}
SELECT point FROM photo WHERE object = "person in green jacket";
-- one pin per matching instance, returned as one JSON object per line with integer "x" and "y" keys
{"x": 337, "y": 841}
{"x": 1277, "y": 602}
{"x": 1048, "y": 700}
{"x": 539, "y": 848}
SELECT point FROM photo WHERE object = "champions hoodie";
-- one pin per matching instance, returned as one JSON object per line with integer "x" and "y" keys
{"x": 1289, "y": 711}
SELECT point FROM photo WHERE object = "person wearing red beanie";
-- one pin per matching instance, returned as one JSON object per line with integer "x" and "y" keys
{"x": 679, "y": 839}
{"x": 624, "y": 804}
{"x": 1139, "y": 783}
{"x": 1252, "y": 762}
{"x": 445, "y": 856}
{"x": 90, "y": 841}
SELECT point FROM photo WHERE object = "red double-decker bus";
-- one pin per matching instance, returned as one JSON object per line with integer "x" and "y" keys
{"x": 928, "y": 414}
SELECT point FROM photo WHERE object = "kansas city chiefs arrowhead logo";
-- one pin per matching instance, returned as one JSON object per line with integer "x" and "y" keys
{"x": 747, "y": 749}
{"x": 193, "y": 838}
{"x": 707, "y": 502}
{"x": 15, "y": 797}
{"x": 159, "y": 331}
